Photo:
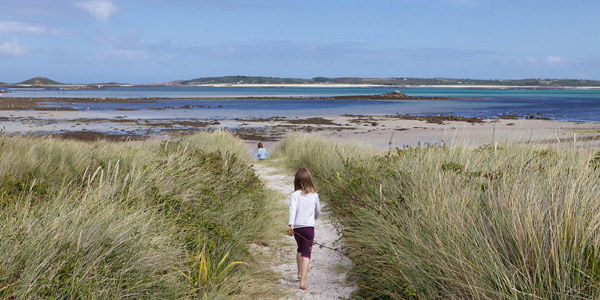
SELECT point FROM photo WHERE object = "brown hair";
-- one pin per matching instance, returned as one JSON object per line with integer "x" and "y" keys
{"x": 303, "y": 181}
{"x": 260, "y": 145}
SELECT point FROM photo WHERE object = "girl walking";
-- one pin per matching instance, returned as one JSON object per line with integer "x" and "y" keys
{"x": 305, "y": 207}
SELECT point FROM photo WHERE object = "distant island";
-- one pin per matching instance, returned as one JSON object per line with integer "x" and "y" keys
{"x": 326, "y": 81}
{"x": 39, "y": 81}
{"x": 49, "y": 83}
{"x": 396, "y": 81}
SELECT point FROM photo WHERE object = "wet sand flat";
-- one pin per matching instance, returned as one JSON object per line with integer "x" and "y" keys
{"x": 377, "y": 130}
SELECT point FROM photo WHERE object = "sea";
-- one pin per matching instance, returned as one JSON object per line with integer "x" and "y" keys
{"x": 557, "y": 104}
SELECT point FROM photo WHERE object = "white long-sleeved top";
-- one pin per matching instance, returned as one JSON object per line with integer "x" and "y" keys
{"x": 262, "y": 153}
{"x": 305, "y": 208}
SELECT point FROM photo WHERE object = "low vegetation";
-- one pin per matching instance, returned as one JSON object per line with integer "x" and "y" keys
{"x": 390, "y": 81}
{"x": 136, "y": 220}
{"x": 40, "y": 80}
{"x": 462, "y": 222}
{"x": 393, "y": 81}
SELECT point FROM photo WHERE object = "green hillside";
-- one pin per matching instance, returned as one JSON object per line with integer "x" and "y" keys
{"x": 245, "y": 80}
{"x": 109, "y": 83}
{"x": 40, "y": 80}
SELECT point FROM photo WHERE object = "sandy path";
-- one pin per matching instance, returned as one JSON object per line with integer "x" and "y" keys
{"x": 327, "y": 272}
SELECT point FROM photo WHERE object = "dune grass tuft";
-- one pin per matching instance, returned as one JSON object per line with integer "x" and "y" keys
{"x": 462, "y": 222}
{"x": 108, "y": 220}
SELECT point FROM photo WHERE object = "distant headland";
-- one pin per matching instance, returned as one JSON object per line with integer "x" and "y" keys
{"x": 260, "y": 81}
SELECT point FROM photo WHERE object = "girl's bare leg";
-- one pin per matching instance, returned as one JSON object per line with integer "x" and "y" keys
{"x": 305, "y": 263}
{"x": 299, "y": 262}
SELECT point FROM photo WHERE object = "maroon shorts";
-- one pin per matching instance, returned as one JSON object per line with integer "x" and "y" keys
{"x": 304, "y": 239}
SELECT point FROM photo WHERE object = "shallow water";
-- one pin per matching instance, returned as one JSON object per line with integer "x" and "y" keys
{"x": 206, "y": 91}
{"x": 572, "y": 105}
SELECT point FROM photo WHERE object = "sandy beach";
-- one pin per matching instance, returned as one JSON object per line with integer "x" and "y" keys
{"x": 155, "y": 117}
{"x": 385, "y": 132}
{"x": 339, "y": 85}
{"x": 378, "y": 131}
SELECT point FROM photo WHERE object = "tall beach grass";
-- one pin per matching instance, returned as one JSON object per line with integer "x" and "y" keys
{"x": 108, "y": 220}
{"x": 462, "y": 222}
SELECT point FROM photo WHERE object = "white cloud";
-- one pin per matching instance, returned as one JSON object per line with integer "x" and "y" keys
{"x": 130, "y": 47}
{"x": 21, "y": 27}
{"x": 551, "y": 59}
{"x": 531, "y": 60}
{"x": 99, "y": 9}
{"x": 12, "y": 48}
{"x": 547, "y": 61}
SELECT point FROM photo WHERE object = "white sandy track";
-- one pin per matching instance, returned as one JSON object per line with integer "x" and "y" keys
{"x": 327, "y": 272}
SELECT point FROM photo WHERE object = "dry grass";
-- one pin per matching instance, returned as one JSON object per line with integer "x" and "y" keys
{"x": 114, "y": 220}
{"x": 463, "y": 222}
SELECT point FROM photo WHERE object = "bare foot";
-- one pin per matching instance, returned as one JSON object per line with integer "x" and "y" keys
{"x": 299, "y": 277}
{"x": 303, "y": 286}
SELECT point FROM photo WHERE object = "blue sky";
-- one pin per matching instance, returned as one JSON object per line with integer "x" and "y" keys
{"x": 145, "y": 41}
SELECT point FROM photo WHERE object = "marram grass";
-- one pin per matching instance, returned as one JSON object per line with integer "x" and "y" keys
{"x": 463, "y": 222}
{"x": 115, "y": 220}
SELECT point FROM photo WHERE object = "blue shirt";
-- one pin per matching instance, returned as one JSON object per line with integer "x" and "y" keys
{"x": 262, "y": 153}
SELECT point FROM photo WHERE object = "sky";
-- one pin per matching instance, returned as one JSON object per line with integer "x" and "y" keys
{"x": 147, "y": 41}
